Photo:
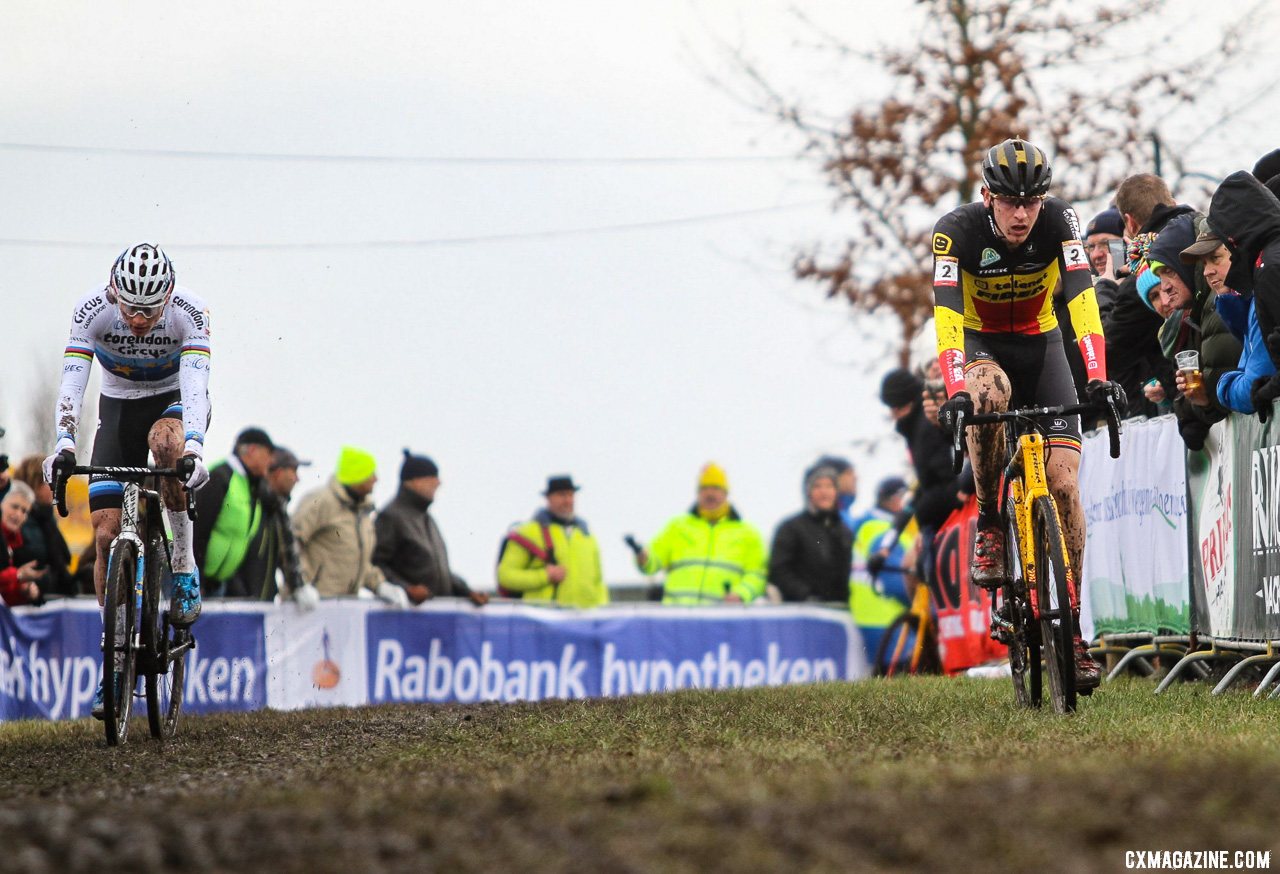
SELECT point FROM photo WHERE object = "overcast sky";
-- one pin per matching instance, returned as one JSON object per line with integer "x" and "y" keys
{"x": 625, "y": 356}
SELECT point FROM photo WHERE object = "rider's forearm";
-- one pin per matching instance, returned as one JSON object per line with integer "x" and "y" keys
{"x": 76, "y": 362}
{"x": 193, "y": 381}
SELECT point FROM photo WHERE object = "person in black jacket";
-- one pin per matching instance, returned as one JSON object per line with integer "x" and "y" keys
{"x": 812, "y": 553}
{"x": 938, "y": 490}
{"x": 1245, "y": 215}
{"x": 410, "y": 550}
{"x": 41, "y": 539}
{"x": 1131, "y": 327}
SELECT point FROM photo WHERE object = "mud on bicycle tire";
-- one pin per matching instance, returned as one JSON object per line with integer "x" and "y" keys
{"x": 117, "y": 698}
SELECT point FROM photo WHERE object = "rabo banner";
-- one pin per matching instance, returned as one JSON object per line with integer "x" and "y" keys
{"x": 527, "y": 654}
{"x": 51, "y": 660}
{"x": 1135, "y": 558}
{"x": 352, "y": 652}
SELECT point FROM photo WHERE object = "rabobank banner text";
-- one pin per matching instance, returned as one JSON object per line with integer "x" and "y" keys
{"x": 351, "y": 652}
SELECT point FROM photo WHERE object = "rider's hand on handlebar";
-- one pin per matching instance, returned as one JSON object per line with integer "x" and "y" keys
{"x": 958, "y": 403}
{"x": 196, "y": 473}
{"x": 59, "y": 465}
{"x": 1100, "y": 392}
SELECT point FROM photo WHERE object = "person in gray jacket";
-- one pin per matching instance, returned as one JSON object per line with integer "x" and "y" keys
{"x": 410, "y": 549}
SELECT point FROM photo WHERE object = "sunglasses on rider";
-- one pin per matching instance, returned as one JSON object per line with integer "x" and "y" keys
{"x": 1016, "y": 202}
{"x": 146, "y": 312}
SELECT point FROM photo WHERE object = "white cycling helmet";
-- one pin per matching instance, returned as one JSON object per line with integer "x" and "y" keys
{"x": 142, "y": 276}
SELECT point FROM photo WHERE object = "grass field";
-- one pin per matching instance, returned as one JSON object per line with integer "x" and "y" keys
{"x": 910, "y": 775}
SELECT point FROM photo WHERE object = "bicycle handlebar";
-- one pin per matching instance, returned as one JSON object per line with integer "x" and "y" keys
{"x": 182, "y": 471}
{"x": 1107, "y": 408}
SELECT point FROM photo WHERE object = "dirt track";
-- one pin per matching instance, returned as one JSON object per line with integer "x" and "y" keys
{"x": 591, "y": 786}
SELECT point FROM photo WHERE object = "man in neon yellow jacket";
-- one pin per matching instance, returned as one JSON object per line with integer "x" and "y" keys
{"x": 709, "y": 554}
{"x": 553, "y": 557}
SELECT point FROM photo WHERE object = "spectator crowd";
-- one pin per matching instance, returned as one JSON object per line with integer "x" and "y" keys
{"x": 1190, "y": 306}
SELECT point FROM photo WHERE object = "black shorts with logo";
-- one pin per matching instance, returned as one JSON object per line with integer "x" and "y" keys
{"x": 121, "y": 441}
{"x": 1039, "y": 376}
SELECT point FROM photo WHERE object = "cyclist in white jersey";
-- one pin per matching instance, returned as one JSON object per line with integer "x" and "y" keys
{"x": 152, "y": 340}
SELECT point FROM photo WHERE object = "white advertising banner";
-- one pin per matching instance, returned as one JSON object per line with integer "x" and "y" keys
{"x": 1136, "y": 562}
{"x": 317, "y": 659}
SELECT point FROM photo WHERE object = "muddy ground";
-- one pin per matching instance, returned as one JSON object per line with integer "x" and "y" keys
{"x": 687, "y": 782}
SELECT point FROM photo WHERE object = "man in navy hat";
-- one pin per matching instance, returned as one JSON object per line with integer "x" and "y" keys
{"x": 410, "y": 550}
{"x": 553, "y": 557}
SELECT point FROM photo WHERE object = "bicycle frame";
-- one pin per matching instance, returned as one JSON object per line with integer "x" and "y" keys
{"x": 1025, "y": 480}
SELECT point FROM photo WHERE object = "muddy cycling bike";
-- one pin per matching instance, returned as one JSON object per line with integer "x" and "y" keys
{"x": 1034, "y": 613}
{"x": 138, "y": 641}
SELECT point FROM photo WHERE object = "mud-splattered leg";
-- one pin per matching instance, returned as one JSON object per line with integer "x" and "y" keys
{"x": 1063, "y": 472}
{"x": 989, "y": 387}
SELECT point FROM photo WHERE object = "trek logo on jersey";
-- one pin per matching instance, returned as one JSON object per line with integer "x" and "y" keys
{"x": 1073, "y": 222}
{"x": 946, "y": 271}
{"x": 1073, "y": 255}
{"x": 989, "y": 256}
{"x": 941, "y": 244}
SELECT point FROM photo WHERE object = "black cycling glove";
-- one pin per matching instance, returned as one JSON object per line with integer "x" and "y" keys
{"x": 958, "y": 403}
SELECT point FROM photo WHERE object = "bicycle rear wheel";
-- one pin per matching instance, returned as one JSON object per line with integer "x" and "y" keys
{"x": 119, "y": 618}
{"x": 1053, "y": 603}
{"x": 166, "y": 673}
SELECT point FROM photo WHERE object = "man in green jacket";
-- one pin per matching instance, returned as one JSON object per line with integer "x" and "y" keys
{"x": 710, "y": 555}
{"x": 229, "y": 510}
{"x": 553, "y": 557}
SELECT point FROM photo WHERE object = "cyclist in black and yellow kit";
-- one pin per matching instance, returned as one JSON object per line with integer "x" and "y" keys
{"x": 997, "y": 266}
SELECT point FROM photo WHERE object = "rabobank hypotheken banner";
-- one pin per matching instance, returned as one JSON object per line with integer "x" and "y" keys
{"x": 352, "y": 652}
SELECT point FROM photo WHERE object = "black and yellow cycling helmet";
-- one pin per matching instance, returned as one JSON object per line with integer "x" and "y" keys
{"x": 1016, "y": 168}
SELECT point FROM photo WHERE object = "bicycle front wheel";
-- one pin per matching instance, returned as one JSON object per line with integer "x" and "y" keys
{"x": 895, "y": 645}
{"x": 166, "y": 672}
{"x": 1053, "y": 605}
{"x": 1021, "y": 637}
{"x": 119, "y": 617}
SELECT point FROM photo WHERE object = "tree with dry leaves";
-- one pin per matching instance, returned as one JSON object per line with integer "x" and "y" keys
{"x": 982, "y": 71}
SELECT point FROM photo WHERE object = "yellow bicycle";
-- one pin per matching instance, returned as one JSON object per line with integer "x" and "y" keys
{"x": 1039, "y": 596}
{"x": 915, "y": 626}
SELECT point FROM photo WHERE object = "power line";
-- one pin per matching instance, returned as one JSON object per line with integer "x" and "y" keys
{"x": 509, "y": 160}
{"x": 425, "y": 243}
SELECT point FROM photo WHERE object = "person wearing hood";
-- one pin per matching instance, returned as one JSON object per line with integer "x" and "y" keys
{"x": 553, "y": 558}
{"x": 710, "y": 555}
{"x": 1131, "y": 327}
{"x": 938, "y": 488}
{"x": 812, "y": 553}
{"x": 1192, "y": 323}
{"x": 846, "y": 484}
{"x": 410, "y": 549}
{"x": 335, "y": 534}
{"x": 1245, "y": 215}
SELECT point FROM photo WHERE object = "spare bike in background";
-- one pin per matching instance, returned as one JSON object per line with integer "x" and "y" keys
{"x": 910, "y": 644}
{"x": 1040, "y": 595}
{"x": 138, "y": 641}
